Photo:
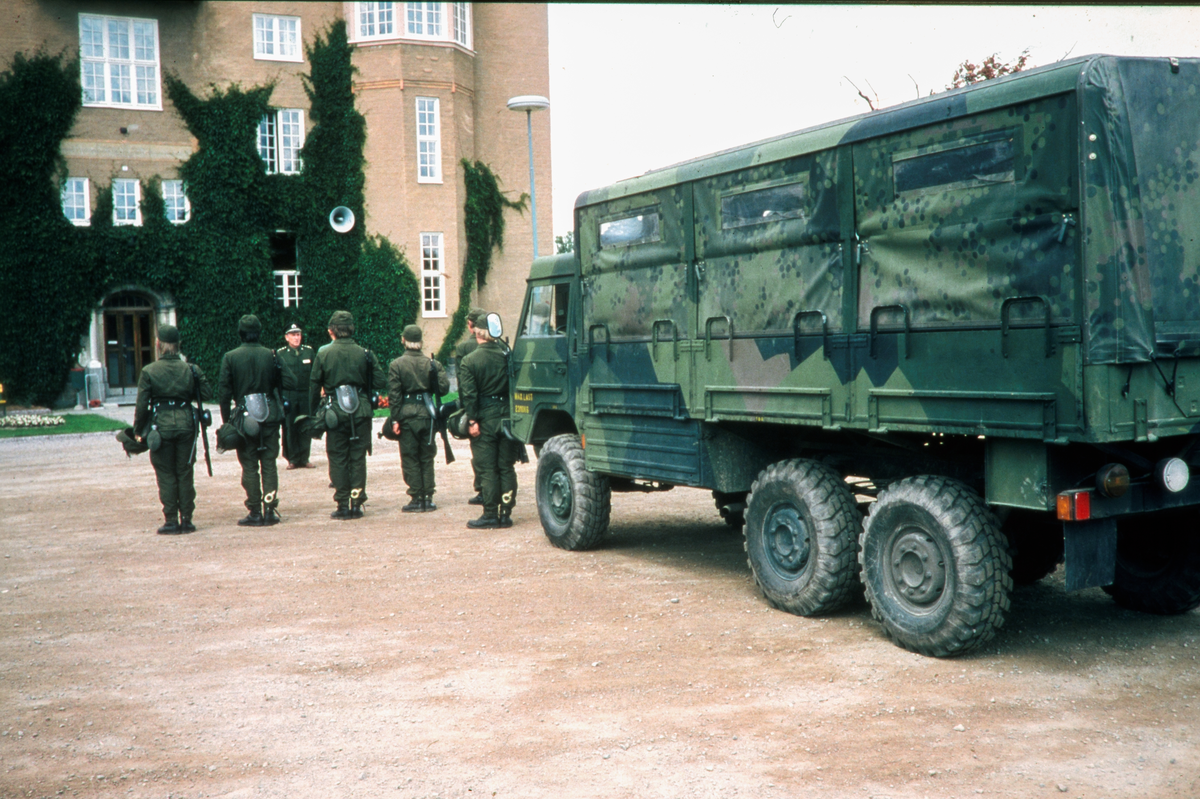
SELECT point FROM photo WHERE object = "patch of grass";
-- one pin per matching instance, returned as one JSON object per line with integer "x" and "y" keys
{"x": 73, "y": 423}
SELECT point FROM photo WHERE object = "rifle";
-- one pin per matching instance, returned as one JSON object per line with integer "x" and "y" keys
{"x": 435, "y": 422}
{"x": 204, "y": 418}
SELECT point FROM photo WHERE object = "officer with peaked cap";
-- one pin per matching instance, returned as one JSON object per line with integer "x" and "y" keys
{"x": 295, "y": 363}
{"x": 250, "y": 376}
{"x": 347, "y": 375}
{"x": 412, "y": 380}
{"x": 165, "y": 420}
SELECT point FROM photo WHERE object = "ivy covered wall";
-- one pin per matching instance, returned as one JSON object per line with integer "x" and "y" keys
{"x": 484, "y": 223}
{"x": 218, "y": 264}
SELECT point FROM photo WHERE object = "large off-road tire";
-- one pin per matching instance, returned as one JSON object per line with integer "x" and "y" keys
{"x": 935, "y": 566}
{"x": 801, "y": 533}
{"x": 573, "y": 503}
{"x": 1158, "y": 563}
{"x": 1035, "y": 543}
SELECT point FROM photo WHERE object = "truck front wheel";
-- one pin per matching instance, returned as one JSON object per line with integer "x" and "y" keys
{"x": 935, "y": 566}
{"x": 573, "y": 503}
{"x": 801, "y": 531}
{"x": 1158, "y": 563}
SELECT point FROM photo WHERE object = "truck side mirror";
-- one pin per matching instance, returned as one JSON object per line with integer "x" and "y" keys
{"x": 494, "y": 328}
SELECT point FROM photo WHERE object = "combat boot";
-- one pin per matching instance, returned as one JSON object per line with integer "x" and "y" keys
{"x": 476, "y": 500}
{"x": 505, "y": 517}
{"x": 342, "y": 512}
{"x": 356, "y": 511}
{"x": 252, "y": 519}
{"x": 171, "y": 527}
{"x": 270, "y": 516}
{"x": 185, "y": 525}
{"x": 488, "y": 521}
{"x": 416, "y": 506}
{"x": 427, "y": 504}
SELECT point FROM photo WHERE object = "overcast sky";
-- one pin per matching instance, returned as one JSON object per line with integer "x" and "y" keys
{"x": 639, "y": 87}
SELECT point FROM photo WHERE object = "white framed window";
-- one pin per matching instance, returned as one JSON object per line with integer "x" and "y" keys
{"x": 460, "y": 23}
{"x": 127, "y": 201}
{"x": 424, "y": 20}
{"x": 375, "y": 20}
{"x": 429, "y": 140}
{"x": 280, "y": 139}
{"x": 76, "y": 201}
{"x": 175, "y": 202}
{"x": 119, "y": 62}
{"x": 287, "y": 287}
{"x": 433, "y": 276}
{"x": 277, "y": 38}
{"x": 445, "y": 22}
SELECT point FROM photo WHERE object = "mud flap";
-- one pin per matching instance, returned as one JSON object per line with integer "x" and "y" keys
{"x": 1090, "y": 552}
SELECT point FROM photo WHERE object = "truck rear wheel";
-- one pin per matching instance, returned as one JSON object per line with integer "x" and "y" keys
{"x": 935, "y": 566}
{"x": 573, "y": 503}
{"x": 801, "y": 531}
{"x": 1158, "y": 563}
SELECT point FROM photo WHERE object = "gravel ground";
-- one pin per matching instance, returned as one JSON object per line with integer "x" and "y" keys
{"x": 405, "y": 655}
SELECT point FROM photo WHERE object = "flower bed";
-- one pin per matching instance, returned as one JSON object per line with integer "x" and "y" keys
{"x": 25, "y": 420}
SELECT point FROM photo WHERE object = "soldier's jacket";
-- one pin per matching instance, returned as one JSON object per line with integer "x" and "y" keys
{"x": 343, "y": 362}
{"x": 168, "y": 384}
{"x": 466, "y": 348}
{"x": 409, "y": 375}
{"x": 483, "y": 382}
{"x": 296, "y": 367}
{"x": 249, "y": 369}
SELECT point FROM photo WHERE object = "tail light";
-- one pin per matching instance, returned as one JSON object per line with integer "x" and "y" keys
{"x": 1075, "y": 505}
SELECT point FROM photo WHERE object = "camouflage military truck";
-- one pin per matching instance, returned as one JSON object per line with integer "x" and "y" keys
{"x": 976, "y": 315}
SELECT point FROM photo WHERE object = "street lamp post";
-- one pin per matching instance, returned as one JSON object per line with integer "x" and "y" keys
{"x": 530, "y": 103}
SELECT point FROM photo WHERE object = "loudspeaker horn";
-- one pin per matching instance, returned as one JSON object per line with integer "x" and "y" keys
{"x": 341, "y": 219}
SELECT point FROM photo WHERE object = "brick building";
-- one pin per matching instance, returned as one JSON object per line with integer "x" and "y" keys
{"x": 432, "y": 82}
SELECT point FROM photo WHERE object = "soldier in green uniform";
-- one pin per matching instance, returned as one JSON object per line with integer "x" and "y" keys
{"x": 483, "y": 390}
{"x": 250, "y": 376}
{"x": 476, "y": 317}
{"x": 347, "y": 374}
{"x": 166, "y": 420}
{"x": 295, "y": 363}
{"x": 412, "y": 380}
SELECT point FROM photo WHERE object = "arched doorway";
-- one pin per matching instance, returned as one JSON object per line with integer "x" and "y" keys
{"x": 128, "y": 338}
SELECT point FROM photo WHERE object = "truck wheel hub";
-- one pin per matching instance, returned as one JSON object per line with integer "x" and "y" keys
{"x": 560, "y": 496}
{"x": 918, "y": 572}
{"x": 787, "y": 539}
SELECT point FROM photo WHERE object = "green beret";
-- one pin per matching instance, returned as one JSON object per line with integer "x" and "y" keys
{"x": 412, "y": 333}
{"x": 249, "y": 324}
{"x": 477, "y": 317}
{"x": 341, "y": 318}
{"x": 168, "y": 334}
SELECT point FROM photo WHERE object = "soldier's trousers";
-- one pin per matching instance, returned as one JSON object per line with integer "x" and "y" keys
{"x": 174, "y": 468}
{"x": 260, "y": 473}
{"x": 348, "y": 461}
{"x": 416, "y": 456}
{"x": 297, "y": 443}
{"x": 495, "y": 456}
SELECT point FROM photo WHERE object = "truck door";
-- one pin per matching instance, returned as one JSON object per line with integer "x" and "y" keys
{"x": 543, "y": 357}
